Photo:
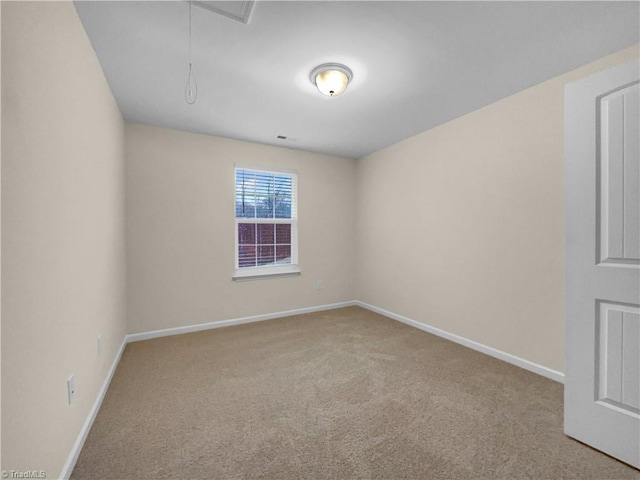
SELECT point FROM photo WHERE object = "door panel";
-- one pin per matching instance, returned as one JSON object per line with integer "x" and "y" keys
{"x": 619, "y": 176}
{"x": 618, "y": 353}
{"x": 602, "y": 287}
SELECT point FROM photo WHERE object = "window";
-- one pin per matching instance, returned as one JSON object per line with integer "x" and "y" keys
{"x": 266, "y": 227}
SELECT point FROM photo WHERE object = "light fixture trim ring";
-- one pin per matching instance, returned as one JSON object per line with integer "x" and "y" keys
{"x": 330, "y": 66}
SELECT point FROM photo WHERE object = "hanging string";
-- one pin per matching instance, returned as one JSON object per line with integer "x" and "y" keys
{"x": 191, "y": 89}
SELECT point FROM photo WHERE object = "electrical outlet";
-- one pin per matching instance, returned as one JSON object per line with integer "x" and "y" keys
{"x": 71, "y": 388}
{"x": 99, "y": 344}
{"x": 319, "y": 285}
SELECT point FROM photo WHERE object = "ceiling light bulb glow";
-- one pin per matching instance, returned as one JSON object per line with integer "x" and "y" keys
{"x": 331, "y": 78}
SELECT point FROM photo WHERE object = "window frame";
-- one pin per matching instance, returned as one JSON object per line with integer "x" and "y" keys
{"x": 267, "y": 271}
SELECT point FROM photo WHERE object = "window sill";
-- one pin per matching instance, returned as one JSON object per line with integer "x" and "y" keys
{"x": 244, "y": 275}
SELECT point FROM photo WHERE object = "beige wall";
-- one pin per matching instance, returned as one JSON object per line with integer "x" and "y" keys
{"x": 180, "y": 229}
{"x": 62, "y": 231}
{"x": 461, "y": 227}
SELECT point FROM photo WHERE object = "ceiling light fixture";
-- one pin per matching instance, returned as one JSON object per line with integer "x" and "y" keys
{"x": 331, "y": 78}
{"x": 191, "y": 88}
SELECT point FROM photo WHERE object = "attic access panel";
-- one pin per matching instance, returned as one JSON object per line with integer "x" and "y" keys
{"x": 239, "y": 10}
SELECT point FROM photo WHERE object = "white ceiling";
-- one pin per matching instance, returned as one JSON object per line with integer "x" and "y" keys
{"x": 415, "y": 64}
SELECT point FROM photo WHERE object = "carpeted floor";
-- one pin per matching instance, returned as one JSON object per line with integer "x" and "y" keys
{"x": 342, "y": 394}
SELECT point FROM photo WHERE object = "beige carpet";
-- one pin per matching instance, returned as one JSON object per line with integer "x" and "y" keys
{"x": 342, "y": 394}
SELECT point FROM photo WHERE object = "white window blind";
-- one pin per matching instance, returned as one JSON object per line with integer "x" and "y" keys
{"x": 266, "y": 222}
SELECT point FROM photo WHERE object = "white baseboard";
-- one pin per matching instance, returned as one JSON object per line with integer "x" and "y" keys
{"x": 506, "y": 357}
{"x": 493, "y": 352}
{"x": 86, "y": 427}
{"x": 136, "y": 337}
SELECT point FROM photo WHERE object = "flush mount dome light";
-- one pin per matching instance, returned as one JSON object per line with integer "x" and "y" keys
{"x": 331, "y": 78}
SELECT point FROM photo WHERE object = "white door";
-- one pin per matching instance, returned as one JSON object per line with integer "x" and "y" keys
{"x": 602, "y": 287}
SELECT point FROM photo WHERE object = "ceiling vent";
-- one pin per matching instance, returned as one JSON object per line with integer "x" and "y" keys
{"x": 238, "y": 10}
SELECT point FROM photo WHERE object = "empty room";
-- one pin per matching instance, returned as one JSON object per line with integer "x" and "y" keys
{"x": 320, "y": 240}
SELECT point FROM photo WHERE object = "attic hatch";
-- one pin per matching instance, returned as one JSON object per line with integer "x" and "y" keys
{"x": 238, "y": 10}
